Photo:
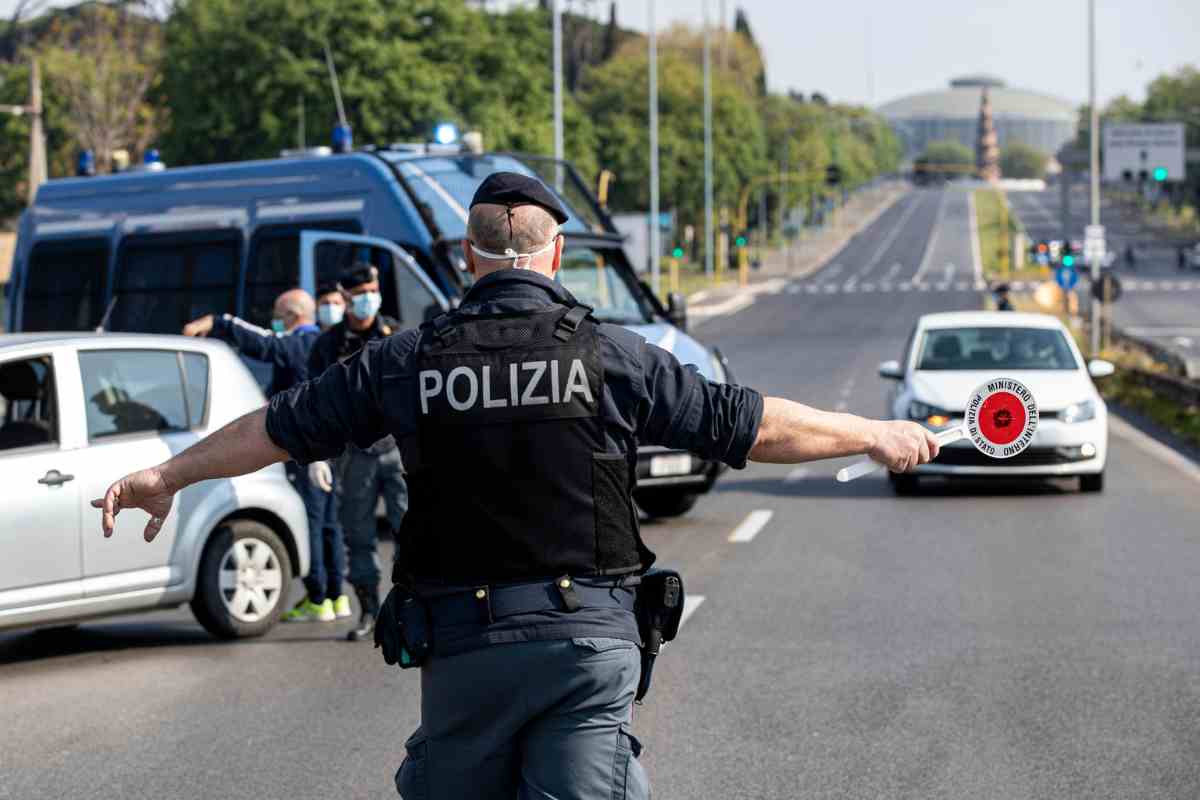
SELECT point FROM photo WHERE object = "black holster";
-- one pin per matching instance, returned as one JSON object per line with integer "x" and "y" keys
{"x": 659, "y": 611}
{"x": 404, "y": 630}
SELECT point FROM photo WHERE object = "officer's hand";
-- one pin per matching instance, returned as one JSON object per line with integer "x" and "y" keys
{"x": 321, "y": 475}
{"x": 145, "y": 490}
{"x": 901, "y": 446}
{"x": 199, "y": 327}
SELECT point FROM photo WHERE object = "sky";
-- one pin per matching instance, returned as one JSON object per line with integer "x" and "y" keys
{"x": 873, "y": 51}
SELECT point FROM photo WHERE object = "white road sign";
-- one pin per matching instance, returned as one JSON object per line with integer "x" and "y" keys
{"x": 1094, "y": 247}
{"x": 1151, "y": 151}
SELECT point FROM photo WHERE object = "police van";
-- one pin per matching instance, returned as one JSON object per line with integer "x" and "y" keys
{"x": 149, "y": 250}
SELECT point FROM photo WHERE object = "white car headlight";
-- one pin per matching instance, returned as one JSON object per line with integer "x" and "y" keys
{"x": 1078, "y": 412}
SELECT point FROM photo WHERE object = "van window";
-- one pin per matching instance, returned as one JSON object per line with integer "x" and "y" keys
{"x": 64, "y": 285}
{"x": 166, "y": 280}
{"x": 27, "y": 403}
{"x": 131, "y": 391}
{"x": 274, "y": 265}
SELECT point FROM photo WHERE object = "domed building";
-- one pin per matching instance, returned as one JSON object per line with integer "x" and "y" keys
{"x": 1035, "y": 119}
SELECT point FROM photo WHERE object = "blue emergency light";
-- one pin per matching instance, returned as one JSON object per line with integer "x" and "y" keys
{"x": 152, "y": 156}
{"x": 445, "y": 133}
{"x": 343, "y": 138}
{"x": 85, "y": 164}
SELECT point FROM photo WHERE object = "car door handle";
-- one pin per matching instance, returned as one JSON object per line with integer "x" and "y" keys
{"x": 55, "y": 478}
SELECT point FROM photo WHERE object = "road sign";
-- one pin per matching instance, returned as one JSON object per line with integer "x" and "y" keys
{"x": 1066, "y": 277}
{"x": 1144, "y": 151}
{"x": 1094, "y": 247}
{"x": 1107, "y": 289}
{"x": 1000, "y": 420}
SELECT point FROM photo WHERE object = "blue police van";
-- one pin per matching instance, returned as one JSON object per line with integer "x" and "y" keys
{"x": 149, "y": 250}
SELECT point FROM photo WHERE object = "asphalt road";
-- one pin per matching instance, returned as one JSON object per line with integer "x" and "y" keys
{"x": 978, "y": 640}
{"x": 1160, "y": 302}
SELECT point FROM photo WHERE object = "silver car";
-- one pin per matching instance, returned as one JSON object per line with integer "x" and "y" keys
{"x": 78, "y": 411}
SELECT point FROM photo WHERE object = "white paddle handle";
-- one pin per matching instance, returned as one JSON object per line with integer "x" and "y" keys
{"x": 867, "y": 466}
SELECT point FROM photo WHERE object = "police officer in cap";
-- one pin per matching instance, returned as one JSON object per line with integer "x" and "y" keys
{"x": 519, "y": 417}
{"x": 364, "y": 473}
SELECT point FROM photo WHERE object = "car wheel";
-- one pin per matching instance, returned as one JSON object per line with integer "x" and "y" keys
{"x": 666, "y": 504}
{"x": 245, "y": 574}
{"x": 1091, "y": 483}
{"x": 903, "y": 484}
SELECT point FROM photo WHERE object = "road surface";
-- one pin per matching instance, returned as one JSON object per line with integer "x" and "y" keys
{"x": 981, "y": 640}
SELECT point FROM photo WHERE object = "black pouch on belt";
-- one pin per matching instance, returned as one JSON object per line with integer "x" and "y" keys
{"x": 659, "y": 612}
{"x": 403, "y": 630}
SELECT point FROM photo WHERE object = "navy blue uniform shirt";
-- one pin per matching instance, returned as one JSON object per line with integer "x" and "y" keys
{"x": 287, "y": 353}
{"x": 647, "y": 392}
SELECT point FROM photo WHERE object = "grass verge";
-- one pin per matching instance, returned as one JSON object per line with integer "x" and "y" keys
{"x": 996, "y": 226}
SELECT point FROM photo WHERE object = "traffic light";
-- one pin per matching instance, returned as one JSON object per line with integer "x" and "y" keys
{"x": 833, "y": 175}
{"x": 1160, "y": 174}
{"x": 677, "y": 252}
{"x": 1068, "y": 260}
{"x": 740, "y": 241}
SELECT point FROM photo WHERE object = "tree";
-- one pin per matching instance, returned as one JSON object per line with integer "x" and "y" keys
{"x": 948, "y": 152}
{"x": 101, "y": 63}
{"x": 741, "y": 27}
{"x": 1019, "y": 160}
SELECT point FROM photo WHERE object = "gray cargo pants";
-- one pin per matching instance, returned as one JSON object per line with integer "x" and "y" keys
{"x": 528, "y": 721}
{"x": 362, "y": 479}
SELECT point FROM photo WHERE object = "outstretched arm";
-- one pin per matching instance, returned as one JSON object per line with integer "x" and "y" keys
{"x": 790, "y": 433}
{"x": 241, "y": 447}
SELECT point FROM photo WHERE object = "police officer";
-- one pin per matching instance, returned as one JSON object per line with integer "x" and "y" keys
{"x": 331, "y": 305}
{"x": 364, "y": 473}
{"x": 1003, "y": 302}
{"x": 287, "y": 346}
{"x": 519, "y": 417}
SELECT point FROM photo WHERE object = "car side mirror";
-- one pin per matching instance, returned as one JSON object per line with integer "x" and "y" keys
{"x": 1099, "y": 368}
{"x": 891, "y": 370}
{"x": 677, "y": 310}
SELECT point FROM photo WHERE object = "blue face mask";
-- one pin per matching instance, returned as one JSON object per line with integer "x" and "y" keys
{"x": 366, "y": 305}
{"x": 330, "y": 314}
{"x": 278, "y": 326}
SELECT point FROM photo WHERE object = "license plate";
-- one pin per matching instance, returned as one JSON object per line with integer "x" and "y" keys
{"x": 664, "y": 466}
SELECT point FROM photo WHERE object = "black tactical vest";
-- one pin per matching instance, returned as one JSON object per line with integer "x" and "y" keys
{"x": 508, "y": 474}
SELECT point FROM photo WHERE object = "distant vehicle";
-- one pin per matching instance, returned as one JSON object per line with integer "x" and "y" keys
{"x": 79, "y": 411}
{"x": 1193, "y": 256}
{"x": 947, "y": 355}
{"x": 148, "y": 251}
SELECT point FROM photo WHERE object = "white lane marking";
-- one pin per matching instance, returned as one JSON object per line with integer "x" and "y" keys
{"x": 798, "y": 474}
{"x": 961, "y": 286}
{"x": 868, "y": 287}
{"x": 892, "y": 271}
{"x": 812, "y": 288}
{"x": 949, "y": 270}
{"x": 941, "y": 287}
{"x": 933, "y": 235}
{"x": 690, "y": 603}
{"x": 1154, "y": 448}
{"x": 730, "y": 306}
{"x": 754, "y": 522}
{"x": 830, "y": 288}
{"x": 891, "y": 237}
{"x": 906, "y": 287}
{"x": 973, "y": 224}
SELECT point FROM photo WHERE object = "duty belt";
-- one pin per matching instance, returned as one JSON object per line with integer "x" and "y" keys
{"x": 485, "y": 604}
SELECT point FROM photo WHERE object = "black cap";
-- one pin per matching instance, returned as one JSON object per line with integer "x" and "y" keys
{"x": 1000, "y": 287}
{"x": 513, "y": 189}
{"x": 357, "y": 274}
{"x": 327, "y": 287}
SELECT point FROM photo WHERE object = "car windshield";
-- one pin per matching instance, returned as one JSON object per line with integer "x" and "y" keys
{"x": 445, "y": 185}
{"x": 995, "y": 348}
{"x": 588, "y": 275}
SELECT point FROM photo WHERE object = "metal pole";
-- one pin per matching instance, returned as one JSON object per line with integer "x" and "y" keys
{"x": 708, "y": 148}
{"x": 1094, "y": 137}
{"x": 556, "y": 13}
{"x": 655, "y": 230}
{"x": 38, "y": 174}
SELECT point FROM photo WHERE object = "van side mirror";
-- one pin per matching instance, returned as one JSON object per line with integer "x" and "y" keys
{"x": 891, "y": 370}
{"x": 677, "y": 310}
{"x": 1099, "y": 368}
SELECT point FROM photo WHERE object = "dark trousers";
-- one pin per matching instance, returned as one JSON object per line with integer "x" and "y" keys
{"x": 325, "y": 541}
{"x": 528, "y": 721}
{"x": 364, "y": 479}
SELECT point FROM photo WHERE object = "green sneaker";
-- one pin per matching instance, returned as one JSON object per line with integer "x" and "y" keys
{"x": 308, "y": 611}
{"x": 341, "y": 607}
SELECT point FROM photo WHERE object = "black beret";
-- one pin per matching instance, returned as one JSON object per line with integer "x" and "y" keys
{"x": 1000, "y": 287}
{"x": 357, "y": 274}
{"x": 513, "y": 189}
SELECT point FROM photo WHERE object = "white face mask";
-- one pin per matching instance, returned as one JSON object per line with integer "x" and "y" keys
{"x": 516, "y": 257}
{"x": 365, "y": 305}
{"x": 330, "y": 314}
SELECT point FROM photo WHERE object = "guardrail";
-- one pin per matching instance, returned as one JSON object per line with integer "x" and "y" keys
{"x": 1178, "y": 390}
{"x": 1187, "y": 367}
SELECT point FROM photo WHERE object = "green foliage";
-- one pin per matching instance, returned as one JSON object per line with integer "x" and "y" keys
{"x": 947, "y": 152}
{"x": 1019, "y": 160}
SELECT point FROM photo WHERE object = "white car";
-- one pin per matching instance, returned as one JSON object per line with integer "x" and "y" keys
{"x": 78, "y": 411}
{"x": 948, "y": 355}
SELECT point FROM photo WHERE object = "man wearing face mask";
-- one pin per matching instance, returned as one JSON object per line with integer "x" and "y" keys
{"x": 363, "y": 475}
{"x": 331, "y": 306}
{"x": 287, "y": 347}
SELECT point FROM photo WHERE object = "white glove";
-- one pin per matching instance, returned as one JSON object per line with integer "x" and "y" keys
{"x": 320, "y": 474}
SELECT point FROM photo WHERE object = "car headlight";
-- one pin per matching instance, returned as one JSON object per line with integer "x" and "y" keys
{"x": 930, "y": 415}
{"x": 1078, "y": 412}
